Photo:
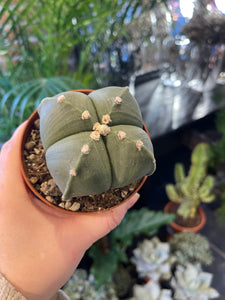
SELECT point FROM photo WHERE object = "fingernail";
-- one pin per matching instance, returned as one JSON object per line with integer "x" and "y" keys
{"x": 133, "y": 200}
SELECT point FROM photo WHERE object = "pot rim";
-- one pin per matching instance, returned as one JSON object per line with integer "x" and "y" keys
{"x": 179, "y": 228}
{"x": 23, "y": 140}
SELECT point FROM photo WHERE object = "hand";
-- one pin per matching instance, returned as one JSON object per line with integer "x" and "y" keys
{"x": 39, "y": 246}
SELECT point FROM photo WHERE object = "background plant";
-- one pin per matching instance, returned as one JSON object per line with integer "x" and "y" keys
{"x": 195, "y": 187}
{"x": 218, "y": 160}
{"x": 151, "y": 291}
{"x": 190, "y": 247}
{"x": 52, "y": 46}
{"x": 190, "y": 283}
{"x": 152, "y": 259}
{"x": 108, "y": 255}
{"x": 81, "y": 286}
{"x": 217, "y": 149}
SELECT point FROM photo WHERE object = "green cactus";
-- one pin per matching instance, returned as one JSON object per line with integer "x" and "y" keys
{"x": 189, "y": 191}
{"x": 94, "y": 142}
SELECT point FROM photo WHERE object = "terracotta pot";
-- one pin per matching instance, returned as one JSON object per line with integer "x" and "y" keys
{"x": 146, "y": 279}
{"x": 178, "y": 228}
{"x": 25, "y": 135}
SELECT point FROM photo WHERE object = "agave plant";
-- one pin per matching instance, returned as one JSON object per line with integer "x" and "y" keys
{"x": 190, "y": 283}
{"x": 153, "y": 260}
{"x": 151, "y": 291}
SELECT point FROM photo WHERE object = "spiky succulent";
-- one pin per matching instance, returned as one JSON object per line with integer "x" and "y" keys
{"x": 94, "y": 142}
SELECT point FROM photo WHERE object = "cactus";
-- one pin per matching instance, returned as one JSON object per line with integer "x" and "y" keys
{"x": 94, "y": 142}
{"x": 189, "y": 191}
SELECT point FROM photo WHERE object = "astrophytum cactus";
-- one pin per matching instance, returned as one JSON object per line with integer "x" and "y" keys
{"x": 94, "y": 142}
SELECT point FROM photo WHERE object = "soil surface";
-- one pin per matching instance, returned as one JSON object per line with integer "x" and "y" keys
{"x": 189, "y": 222}
{"x": 42, "y": 181}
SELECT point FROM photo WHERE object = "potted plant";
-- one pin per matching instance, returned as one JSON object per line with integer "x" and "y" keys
{"x": 190, "y": 283}
{"x": 86, "y": 150}
{"x": 190, "y": 247}
{"x": 189, "y": 191}
{"x": 153, "y": 260}
{"x": 114, "y": 250}
{"x": 82, "y": 286}
{"x": 151, "y": 291}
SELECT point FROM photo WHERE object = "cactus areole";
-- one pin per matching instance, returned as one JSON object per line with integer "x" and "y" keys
{"x": 94, "y": 142}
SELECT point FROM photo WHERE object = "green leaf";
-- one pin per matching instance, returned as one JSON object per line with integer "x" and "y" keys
{"x": 140, "y": 221}
{"x": 104, "y": 264}
{"x": 134, "y": 223}
{"x": 26, "y": 92}
{"x": 11, "y": 9}
{"x": 31, "y": 92}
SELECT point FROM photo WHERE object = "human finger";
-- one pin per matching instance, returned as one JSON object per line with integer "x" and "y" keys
{"x": 9, "y": 155}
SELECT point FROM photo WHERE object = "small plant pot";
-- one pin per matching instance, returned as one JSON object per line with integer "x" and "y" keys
{"x": 171, "y": 207}
{"x": 146, "y": 279}
{"x": 24, "y": 168}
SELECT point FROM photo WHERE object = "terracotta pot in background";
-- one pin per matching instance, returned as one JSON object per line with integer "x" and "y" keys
{"x": 178, "y": 228}
{"x": 25, "y": 135}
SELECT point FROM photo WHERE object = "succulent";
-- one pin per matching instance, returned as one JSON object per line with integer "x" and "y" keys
{"x": 153, "y": 260}
{"x": 111, "y": 252}
{"x": 94, "y": 142}
{"x": 151, "y": 291}
{"x": 81, "y": 286}
{"x": 189, "y": 191}
{"x": 190, "y": 283}
{"x": 190, "y": 247}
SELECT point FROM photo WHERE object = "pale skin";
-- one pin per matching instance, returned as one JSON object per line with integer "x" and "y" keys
{"x": 39, "y": 247}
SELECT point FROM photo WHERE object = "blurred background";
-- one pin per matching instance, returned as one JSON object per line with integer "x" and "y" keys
{"x": 49, "y": 47}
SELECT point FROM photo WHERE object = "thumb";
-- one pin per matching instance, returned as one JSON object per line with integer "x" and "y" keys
{"x": 118, "y": 213}
{"x": 91, "y": 227}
